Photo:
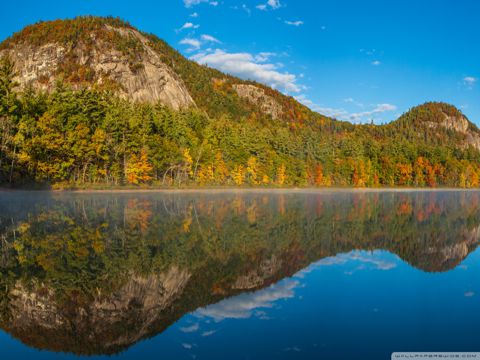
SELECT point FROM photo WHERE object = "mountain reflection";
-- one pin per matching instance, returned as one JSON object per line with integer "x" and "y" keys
{"x": 96, "y": 273}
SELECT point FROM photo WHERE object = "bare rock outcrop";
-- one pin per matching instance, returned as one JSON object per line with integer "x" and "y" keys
{"x": 447, "y": 257}
{"x": 257, "y": 277}
{"x": 257, "y": 96}
{"x": 461, "y": 125}
{"x": 112, "y": 321}
{"x": 148, "y": 80}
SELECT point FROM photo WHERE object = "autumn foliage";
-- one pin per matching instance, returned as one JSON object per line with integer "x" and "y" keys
{"x": 139, "y": 169}
{"x": 88, "y": 135}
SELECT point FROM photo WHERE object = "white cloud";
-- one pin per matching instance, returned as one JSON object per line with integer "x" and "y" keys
{"x": 246, "y": 9}
{"x": 368, "y": 52}
{"x": 209, "y": 333}
{"x": 342, "y": 114}
{"x": 469, "y": 81}
{"x": 191, "y": 328}
{"x": 244, "y": 305}
{"x": 264, "y": 56}
{"x": 331, "y": 112}
{"x": 376, "y": 62}
{"x": 373, "y": 260}
{"x": 270, "y": 4}
{"x": 188, "y": 25}
{"x": 194, "y": 15}
{"x": 294, "y": 23}
{"x": 274, "y": 4}
{"x": 193, "y": 44}
{"x": 247, "y": 66}
{"x": 243, "y": 7}
{"x": 385, "y": 107}
{"x": 367, "y": 115}
{"x": 190, "y": 3}
{"x": 353, "y": 101}
{"x": 209, "y": 38}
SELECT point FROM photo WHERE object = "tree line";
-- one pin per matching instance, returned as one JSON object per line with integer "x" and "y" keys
{"x": 91, "y": 136}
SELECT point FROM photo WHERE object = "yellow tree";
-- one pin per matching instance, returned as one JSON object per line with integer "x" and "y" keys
{"x": 238, "y": 174}
{"x": 404, "y": 173}
{"x": 188, "y": 162}
{"x": 252, "y": 170}
{"x": 205, "y": 175}
{"x": 471, "y": 177}
{"x": 359, "y": 178}
{"x": 221, "y": 170}
{"x": 462, "y": 181}
{"x": 281, "y": 176}
{"x": 265, "y": 179}
{"x": 319, "y": 175}
{"x": 139, "y": 169}
{"x": 418, "y": 170}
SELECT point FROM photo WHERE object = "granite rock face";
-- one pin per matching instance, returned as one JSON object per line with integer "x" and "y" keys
{"x": 148, "y": 80}
{"x": 257, "y": 277}
{"x": 461, "y": 125}
{"x": 257, "y": 96}
{"x": 109, "y": 322}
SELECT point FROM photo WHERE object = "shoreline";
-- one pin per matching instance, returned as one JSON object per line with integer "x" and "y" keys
{"x": 219, "y": 190}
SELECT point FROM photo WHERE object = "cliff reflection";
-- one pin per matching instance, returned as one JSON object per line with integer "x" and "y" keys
{"x": 94, "y": 274}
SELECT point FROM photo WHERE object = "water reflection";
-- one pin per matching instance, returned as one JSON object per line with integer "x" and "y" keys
{"x": 96, "y": 273}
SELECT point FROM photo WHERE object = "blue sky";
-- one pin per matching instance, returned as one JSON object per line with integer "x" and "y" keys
{"x": 356, "y": 60}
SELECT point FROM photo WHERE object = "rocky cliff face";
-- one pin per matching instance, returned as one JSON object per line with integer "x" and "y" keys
{"x": 257, "y": 277}
{"x": 436, "y": 258}
{"x": 461, "y": 125}
{"x": 146, "y": 79}
{"x": 257, "y": 96}
{"x": 112, "y": 322}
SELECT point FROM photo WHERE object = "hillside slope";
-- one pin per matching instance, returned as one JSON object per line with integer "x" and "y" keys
{"x": 108, "y": 53}
{"x": 93, "y": 100}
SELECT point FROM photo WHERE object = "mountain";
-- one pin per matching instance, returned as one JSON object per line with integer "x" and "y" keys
{"x": 108, "y": 53}
{"x": 441, "y": 121}
{"x": 103, "y": 53}
{"x": 95, "y": 101}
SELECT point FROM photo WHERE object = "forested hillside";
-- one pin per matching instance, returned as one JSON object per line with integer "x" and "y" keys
{"x": 78, "y": 125}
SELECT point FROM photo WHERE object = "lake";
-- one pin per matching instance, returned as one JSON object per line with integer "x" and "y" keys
{"x": 238, "y": 274}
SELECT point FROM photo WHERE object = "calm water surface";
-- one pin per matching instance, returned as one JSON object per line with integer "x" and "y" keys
{"x": 238, "y": 275}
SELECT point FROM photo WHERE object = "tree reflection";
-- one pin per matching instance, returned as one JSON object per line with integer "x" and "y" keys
{"x": 96, "y": 273}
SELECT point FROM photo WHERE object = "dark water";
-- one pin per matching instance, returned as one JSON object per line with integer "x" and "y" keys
{"x": 283, "y": 275}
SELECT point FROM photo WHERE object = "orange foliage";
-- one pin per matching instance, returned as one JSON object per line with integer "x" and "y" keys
{"x": 139, "y": 169}
{"x": 319, "y": 175}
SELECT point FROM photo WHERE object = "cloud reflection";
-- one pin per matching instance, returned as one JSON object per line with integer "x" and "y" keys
{"x": 191, "y": 328}
{"x": 243, "y": 305}
{"x": 368, "y": 261}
